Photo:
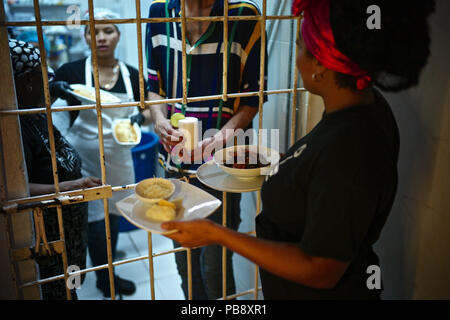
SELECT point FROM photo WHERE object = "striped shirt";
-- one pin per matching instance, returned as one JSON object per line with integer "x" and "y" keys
{"x": 204, "y": 63}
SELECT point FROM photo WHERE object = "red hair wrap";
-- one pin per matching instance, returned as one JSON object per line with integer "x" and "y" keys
{"x": 319, "y": 40}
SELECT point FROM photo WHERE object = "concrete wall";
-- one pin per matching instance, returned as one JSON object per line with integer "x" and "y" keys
{"x": 281, "y": 63}
{"x": 414, "y": 246}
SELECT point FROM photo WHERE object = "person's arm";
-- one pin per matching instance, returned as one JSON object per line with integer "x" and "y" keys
{"x": 144, "y": 117}
{"x": 82, "y": 183}
{"x": 248, "y": 105}
{"x": 60, "y": 86}
{"x": 147, "y": 116}
{"x": 250, "y": 82}
{"x": 158, "y": 111}
{"x": 168, "y": 135}
{"x": 59, "y": 89}
{"x": 286, "y": 260}
{"x": 240, "y": 120}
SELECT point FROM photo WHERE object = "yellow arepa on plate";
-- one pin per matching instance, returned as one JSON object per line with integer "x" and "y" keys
{"x": 154, "y": 188}
{"x": 125, "y": 132}
{"x": 161, "y": 211}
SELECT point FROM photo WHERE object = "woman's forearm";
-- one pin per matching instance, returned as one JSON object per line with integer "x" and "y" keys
{"x": 269, "y": 255}
{"x": 240, "y": 120}
{"x": 158, "y": 111}
{"x": 286, "y": 260}
{"x": 81, "y": 183}
{"x": 38, "y": 189}
{"x": 283, "y": 259}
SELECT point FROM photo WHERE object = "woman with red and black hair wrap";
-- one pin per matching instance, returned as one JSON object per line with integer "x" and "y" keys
{"x": 326, "y": 206}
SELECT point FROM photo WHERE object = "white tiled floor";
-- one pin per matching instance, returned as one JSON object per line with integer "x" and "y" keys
{"x": 167, "y": 281}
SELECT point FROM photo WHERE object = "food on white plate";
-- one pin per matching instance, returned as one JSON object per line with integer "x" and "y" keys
{"x": 246, "y": 161}
{"x": 157, "y": 188}
{"x": 125, "y": 132}
{"x": 161, "y": 211}
{"x": 90, "y": 94}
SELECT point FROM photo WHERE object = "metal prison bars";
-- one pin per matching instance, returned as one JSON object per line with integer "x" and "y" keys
{"x": 57, "y": 199}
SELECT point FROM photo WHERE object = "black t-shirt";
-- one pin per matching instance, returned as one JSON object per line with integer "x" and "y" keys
{"x": 332, "y": 194}
{"x": 74, "y": 72}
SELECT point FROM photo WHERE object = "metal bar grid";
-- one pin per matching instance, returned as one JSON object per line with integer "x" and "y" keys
{"x": 140, "y": 55}
{"x": 142, "y": 104}
{"x": 262, "y": 23}
{"x": 51, "y": 135}
{"x": 101, "y": 143}
{"x": 294, "y": 92}
{"x": 143, "y": 20}
{"x": 224, "y": 249}
{"x": 151, "y": 256}
{"x": 183, "y": 49}
{"x": 225, "y": 52}
{"x": 148, "y": 103}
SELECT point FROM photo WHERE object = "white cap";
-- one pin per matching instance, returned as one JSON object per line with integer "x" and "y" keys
{"x": 103, "y": 14}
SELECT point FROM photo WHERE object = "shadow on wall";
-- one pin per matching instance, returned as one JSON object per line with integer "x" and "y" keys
{"x": 413, "y": 248}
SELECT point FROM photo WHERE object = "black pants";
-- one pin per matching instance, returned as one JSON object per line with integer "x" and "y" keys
{"x": 75, "y": 219}
{"x": 98, "y": 249}
{"x": 207, "y": 261}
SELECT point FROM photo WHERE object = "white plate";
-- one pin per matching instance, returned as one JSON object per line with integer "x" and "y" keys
{"x": 211, "y": 175}
{"x": 197, "y": 204}
{"x": 136, "y": 128}
{"x": 89, "y": 100}
{"x": 222, "y": 156}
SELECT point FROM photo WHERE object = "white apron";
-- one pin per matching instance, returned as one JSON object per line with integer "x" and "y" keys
{"x": 83, "y": 135}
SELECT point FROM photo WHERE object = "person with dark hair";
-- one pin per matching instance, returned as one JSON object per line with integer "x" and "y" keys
{"x": 26, "y": 65}
{"x": 325, "y": 207}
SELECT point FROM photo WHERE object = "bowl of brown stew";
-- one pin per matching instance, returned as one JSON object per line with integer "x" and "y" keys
{"x": 246, "y": 161}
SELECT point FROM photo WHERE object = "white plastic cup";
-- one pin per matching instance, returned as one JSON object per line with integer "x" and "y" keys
{"x": 189, "y": 129}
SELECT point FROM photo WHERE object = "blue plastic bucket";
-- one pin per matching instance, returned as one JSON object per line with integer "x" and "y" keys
{"x": 145, "y": 156}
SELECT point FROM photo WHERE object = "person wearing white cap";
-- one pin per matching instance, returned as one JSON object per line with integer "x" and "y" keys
{"x": 122, "y": 80}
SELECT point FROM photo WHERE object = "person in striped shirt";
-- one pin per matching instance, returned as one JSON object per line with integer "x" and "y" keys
{"x": 204, "y": 68}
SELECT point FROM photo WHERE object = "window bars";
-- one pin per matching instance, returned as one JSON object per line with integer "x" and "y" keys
{"x": 58, "y": 198}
